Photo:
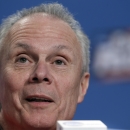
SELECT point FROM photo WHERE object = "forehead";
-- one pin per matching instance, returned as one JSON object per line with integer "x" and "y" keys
{"x": 43, "y": 29}
{"x": 47, "y": 26}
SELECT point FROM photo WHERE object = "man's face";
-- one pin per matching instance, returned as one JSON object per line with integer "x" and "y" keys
{"x": 41, "y": 79}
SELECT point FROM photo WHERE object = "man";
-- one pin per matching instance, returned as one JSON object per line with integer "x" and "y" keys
{"x": 44, "y": 73}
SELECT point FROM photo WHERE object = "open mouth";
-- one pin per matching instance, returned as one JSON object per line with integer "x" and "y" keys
{"x": 38, "y": 99}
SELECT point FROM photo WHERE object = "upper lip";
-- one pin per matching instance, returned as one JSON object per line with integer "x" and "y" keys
{"x": 38, "y": 98}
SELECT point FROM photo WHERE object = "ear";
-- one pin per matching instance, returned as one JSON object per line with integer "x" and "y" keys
{"x": 83, "y": 86}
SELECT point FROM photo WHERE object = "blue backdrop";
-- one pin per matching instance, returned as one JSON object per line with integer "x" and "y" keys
{"x": 108, "y": 102}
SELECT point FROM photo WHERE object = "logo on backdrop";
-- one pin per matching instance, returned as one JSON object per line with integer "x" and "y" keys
{"x": 112, "y": 56}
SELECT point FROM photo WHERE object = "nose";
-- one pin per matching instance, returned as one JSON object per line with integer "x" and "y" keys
{"x": 40, "y": 74}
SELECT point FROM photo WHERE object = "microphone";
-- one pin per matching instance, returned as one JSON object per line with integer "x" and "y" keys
{"x": 81, "y": 125}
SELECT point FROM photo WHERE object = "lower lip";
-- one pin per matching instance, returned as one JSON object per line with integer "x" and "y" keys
{"x": 40, "y": 104}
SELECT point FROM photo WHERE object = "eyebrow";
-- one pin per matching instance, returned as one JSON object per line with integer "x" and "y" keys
{"x": 23, "y": 45}
{"x": 61, "y": 47}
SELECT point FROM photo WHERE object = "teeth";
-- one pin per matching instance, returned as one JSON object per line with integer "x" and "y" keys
{"x": 36, "y": 99}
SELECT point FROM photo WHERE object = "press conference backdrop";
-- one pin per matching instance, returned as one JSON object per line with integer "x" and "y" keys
{"x": 107, "y": 23}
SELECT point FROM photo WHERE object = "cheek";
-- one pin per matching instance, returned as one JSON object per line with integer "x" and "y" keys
{"x": 11, "y": 87}
{"x": 69, "y": 90}
{"x": 13, "y": 81}
{"x": 69, "y": 85}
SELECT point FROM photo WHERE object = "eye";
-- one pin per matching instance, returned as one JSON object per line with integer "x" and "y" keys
{"x": 22, "y": 60}
{"x": 59, "y": 62}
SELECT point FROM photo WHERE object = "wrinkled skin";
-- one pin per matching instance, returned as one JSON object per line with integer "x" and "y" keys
{"x": 40, "y": 78}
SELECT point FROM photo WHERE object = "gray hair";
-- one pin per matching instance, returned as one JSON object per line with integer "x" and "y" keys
{"x": 56, "y": 10}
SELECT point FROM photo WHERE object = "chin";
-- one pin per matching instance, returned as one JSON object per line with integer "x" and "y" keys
{"x": 39, "y": 122}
